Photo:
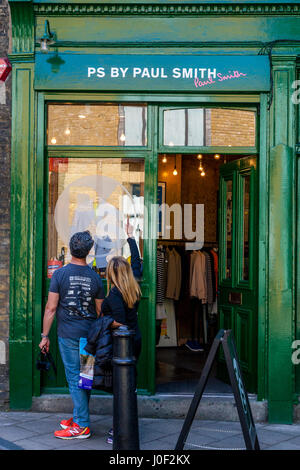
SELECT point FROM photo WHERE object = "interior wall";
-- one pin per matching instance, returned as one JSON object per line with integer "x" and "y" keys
{"x": 197, "y": 189}
{"x": 188, "y": 187}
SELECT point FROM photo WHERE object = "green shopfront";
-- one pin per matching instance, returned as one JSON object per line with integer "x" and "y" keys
{"x": 124, "y": 89}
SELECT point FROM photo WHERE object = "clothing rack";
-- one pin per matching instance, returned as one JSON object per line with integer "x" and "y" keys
{"x": 178, "y": 242}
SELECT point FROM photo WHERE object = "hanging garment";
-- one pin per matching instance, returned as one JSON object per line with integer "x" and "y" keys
{"x": 173, "y": 274}
{"x": 161, "y": 311}
{"x": 168, "y": 333}
{"x": 198, "y": 287}
{"x": 209, "y": 284}
{"x": 216, "y": 262}
{"x": 161, "y": 275}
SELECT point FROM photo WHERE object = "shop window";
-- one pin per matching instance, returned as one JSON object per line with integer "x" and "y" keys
{"x": 246, "y": 220}
{"x": 97, "y": 125}
{"x": 229, "y": 227}
{"x": 101, "y": 195}
{"x": 184, "y": 127}
{"x": 217, "y": 127}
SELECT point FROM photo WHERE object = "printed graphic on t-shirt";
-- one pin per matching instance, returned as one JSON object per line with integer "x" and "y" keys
{"x": 78, "y": 298}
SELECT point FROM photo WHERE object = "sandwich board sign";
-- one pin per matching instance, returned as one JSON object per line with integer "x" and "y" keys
{"x": 226, "y": 339}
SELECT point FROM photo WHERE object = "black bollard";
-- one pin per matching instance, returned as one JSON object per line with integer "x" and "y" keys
{"x": 125, "y": 414}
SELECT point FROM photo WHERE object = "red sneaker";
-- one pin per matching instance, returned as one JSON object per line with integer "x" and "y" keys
{"x": 66, "y": 423}
{"x": 73, "y": 432}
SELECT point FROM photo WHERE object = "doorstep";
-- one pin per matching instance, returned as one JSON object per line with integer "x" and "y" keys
{"x": 212, "y": 407}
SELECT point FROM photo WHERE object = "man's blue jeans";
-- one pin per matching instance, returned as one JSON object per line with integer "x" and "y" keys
{"x": 69, "y": 351}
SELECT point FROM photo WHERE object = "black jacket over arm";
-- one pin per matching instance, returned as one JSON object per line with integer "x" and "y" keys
{"x": 99, "y": 344}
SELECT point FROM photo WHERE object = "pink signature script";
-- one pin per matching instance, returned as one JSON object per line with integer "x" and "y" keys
{"x": 220, "y": 78}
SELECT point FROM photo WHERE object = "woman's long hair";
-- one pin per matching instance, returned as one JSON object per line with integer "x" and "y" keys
{"x": 119, "y": 273}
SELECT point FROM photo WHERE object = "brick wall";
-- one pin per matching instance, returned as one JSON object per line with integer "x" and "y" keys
{"x": 5, "y": 134}
{"x": 230, "y": 127}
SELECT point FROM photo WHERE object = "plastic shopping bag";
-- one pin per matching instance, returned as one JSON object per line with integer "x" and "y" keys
{"x": 87, "y": 361}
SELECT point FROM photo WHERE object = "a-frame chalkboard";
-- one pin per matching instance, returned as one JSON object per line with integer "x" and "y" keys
{"x": 226, "y": 339}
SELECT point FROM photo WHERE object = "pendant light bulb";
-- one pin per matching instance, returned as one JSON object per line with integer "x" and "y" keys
{"x": 217, "y": 156}
{"x": 164, "y": 160}
{"x": 199, "y": 156}
{"x": 202, "y": 172}
{"x": 175, "y": 172}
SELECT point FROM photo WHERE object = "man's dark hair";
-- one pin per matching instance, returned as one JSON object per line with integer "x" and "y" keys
{"x": 80, "y": 244}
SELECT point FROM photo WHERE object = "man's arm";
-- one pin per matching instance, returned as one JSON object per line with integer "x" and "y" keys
{"x": 50, "y": 311}
{"x": 98, "y": 304}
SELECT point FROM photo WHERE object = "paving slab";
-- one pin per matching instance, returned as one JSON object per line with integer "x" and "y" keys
{"x": 271, "y": 437}
{"x": 34, "y": 431}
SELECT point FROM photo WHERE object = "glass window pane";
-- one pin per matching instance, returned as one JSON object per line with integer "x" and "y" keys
{"x": 97, "y": 124}
{"x": 246, "y": 218}
{"x": 184, "y": 127}
{"x": 218, "y": 127}
{"x": 229, "y": 225}
{"x": 100, "y": 195}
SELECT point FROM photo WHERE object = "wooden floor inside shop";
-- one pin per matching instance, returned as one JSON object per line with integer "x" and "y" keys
{"x": 178, "y": 370}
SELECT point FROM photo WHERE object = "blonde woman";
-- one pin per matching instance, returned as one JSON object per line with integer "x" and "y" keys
{"x": 123, "y": 298}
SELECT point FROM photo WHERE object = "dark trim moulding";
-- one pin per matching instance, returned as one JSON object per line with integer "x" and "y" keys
{"x": 167, "y": 10}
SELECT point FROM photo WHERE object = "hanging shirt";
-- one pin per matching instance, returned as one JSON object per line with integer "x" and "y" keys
{"x": 173, "y": 274}
{"x": 216, "y": 259}
{"x": 161, "y": 274}
{"x": 209, "y": 284}
{"x": 198, "y": 285}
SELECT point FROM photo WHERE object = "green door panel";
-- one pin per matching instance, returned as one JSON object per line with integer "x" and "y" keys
{"x": 238, "y": 263}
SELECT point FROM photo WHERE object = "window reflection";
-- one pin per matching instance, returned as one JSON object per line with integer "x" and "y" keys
{"x": 209, "y": 127}
{"x": 184, "y": 127}
{"x": 99, "y": 195}
{"x": 97, "y": 125}
{"x": 228, "y": 229}
{"x": 246, "y": 217}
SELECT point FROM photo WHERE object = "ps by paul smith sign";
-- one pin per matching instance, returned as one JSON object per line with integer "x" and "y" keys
{"x": 173, "y": 73}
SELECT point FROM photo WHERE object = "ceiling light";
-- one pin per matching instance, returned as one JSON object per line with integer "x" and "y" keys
{"x": 200, "y": 156}
{"x": 175, "y": 172}
{"x": 122, "y": 138}
{"x": 164, "y": 160}
{"x": 67, "y": 132}
{"x": 202, "y": 172}
{"x": 53, "y": 140}
{"x": 217, "y": 156}
{"x": 81, "y": 116}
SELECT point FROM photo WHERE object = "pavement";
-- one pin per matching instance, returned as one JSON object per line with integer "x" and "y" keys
{"x": 34, "y": 431}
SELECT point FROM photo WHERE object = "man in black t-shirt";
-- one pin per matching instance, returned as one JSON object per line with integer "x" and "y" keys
{"x": 75, "y": 297}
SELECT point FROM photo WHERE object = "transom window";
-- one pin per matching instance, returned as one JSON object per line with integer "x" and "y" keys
{"x": 97, "y": 125}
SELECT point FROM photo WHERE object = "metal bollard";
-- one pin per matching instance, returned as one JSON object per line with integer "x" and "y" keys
{"x": 125, "y": 414}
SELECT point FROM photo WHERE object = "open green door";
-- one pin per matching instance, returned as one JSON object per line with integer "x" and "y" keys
{"x": 238, "y": 263}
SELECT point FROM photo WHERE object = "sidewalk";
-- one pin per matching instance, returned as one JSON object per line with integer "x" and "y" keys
{"x": 34, "y": 431}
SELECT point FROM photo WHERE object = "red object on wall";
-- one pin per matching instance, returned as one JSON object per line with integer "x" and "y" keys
{"x": 54, "y": 164}
{"x": 53, "y": 265}
{"x": 5, "y": 69}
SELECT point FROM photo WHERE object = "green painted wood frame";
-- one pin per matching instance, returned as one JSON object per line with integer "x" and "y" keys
{"x": 241, "y": 318}
{"x": 148, "y": 380}
{"x": 146, "y": 374}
